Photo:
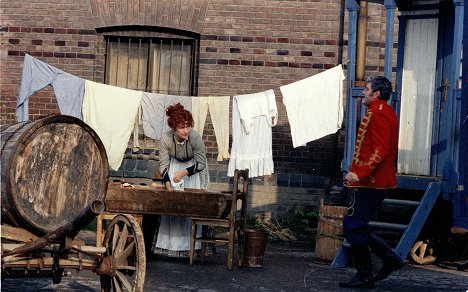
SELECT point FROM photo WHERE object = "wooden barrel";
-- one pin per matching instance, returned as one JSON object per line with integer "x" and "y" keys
{"x": 52, "y": 169}
{"x": 329, "y": 232}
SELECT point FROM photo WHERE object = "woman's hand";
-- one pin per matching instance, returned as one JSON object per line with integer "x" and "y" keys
{"x": 168, "y": 186}
{"x": 178, "y": 175}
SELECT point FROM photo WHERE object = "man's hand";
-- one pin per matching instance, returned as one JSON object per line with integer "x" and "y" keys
{"x": 350, "y": 177}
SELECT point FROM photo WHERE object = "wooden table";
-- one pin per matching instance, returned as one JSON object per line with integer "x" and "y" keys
{"x": 156, "y": 200}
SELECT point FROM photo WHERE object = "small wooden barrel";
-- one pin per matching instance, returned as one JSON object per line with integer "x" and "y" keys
{"x": 329, "y": 232}
{"x": 52, "y": 169}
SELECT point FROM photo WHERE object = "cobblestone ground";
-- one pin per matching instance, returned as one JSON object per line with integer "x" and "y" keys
{"x": 286, "y": 267}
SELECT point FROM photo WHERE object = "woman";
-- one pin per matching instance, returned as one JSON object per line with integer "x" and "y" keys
{"x": 182, "y": 158}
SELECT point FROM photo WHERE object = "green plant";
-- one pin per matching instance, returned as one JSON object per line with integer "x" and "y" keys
{"x": 299, "y": 222}
{"x": 255, "y": 222}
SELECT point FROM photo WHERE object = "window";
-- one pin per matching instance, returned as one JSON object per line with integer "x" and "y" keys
{"x": 152, "y": 64}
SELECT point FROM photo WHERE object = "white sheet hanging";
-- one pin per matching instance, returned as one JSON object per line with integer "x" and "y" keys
{"x": 314, "y": 105}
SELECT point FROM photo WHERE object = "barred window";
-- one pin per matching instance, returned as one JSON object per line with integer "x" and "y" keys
{"x": 152, "y": 64}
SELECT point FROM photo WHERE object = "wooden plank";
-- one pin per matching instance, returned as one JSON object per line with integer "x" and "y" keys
{"x": 401, "y": 202}
{"x": 46, "y": 263}
{"x": 159, "y": 201}
{"x": 17, "y": 234}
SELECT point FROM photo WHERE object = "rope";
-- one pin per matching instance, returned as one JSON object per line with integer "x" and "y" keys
{"x": 331, "y": 223}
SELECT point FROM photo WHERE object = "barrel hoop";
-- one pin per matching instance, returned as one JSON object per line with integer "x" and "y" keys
{"x": 325, "y": 220}
{"x": 19, "y": 128}
{"x": 334, "y": 236}
{"x": 331, "y": 223}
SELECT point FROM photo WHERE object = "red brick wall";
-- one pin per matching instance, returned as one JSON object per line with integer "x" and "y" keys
{"x": 245, "y": 47}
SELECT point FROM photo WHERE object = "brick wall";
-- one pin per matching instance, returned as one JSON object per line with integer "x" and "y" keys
{"x": 246, "y": 47}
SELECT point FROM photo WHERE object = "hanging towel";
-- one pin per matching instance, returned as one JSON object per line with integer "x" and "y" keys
{"x": 111, "y": 112}
{"x": 252, "y": 150}
{"x": 153, "y": 112}
{"x": 68, "y": 88}
{"x": 219, "y": 112}
{"x": 314, "y": 105}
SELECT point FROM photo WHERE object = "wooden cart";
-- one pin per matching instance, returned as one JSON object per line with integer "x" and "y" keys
{"x": 54, "y": 174}
{"x": 208, "y": 208}
{"x": 120, "y": 262}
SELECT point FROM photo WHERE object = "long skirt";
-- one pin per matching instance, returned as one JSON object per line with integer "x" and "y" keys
{"x": 173, "y": 237}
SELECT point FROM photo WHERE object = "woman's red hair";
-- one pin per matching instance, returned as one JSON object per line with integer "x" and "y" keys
{"x": 177, "y": 116}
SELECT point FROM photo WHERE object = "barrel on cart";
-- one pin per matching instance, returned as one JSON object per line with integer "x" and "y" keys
{"x": 54, "y": 174}
{"x": 52, "y": 170}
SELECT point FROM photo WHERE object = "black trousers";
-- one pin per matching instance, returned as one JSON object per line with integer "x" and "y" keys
{"x": 363, "y": 205}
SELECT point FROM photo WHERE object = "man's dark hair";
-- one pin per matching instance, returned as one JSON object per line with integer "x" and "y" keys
{"x": 382, "y": 84}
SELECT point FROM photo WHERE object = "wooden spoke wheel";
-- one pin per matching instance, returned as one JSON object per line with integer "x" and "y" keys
{"x": 124, "y": 263}
{"x": 422, "y": 252}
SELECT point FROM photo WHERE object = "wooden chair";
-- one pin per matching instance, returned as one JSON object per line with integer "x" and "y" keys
{"x": 235, "y": 222}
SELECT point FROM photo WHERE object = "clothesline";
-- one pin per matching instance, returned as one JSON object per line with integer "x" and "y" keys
{"x": 314, "y": 107}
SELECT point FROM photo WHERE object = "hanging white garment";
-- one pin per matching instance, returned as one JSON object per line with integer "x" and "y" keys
{"x": 253, "y": 105}
{"x": 252, "y": 145}
{"x": 111, "y": 112}
{"x": 314, "y": 105}
{"x": 219, "y": 112}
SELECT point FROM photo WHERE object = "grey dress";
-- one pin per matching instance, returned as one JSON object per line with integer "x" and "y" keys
{"x": 173, "y": 236}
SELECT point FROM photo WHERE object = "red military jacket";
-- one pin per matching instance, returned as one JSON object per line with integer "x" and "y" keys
{"x": 376, "y": 148}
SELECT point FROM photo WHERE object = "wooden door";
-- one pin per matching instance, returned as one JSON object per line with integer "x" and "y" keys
{"x": 417, "y": 96}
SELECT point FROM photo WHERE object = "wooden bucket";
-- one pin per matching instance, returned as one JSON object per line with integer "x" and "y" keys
{"x": 255, "y": 245}
{"x": 329, "y": 232}
{"x": 52, "y": 170}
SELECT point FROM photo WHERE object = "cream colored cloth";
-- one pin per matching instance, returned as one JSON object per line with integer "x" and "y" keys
{"x": 111, "y": 112}
{"x": 314, "y": 105}
{"x": 219, "y": 112}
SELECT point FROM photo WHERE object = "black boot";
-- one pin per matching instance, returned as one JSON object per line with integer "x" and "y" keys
{"x": 363, "y": 263}
{"x": 391, "y": 262}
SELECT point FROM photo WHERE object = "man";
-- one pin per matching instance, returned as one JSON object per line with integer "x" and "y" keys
{"x": 370, "y": 178}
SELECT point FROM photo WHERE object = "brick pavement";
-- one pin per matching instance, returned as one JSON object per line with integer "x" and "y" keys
{"x": 287, "y": 267}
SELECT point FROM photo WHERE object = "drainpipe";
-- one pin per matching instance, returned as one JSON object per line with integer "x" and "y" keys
{"x": 341, "y": 32}
{"x": 353, "y": 10}
{"x": 361, "y": 44}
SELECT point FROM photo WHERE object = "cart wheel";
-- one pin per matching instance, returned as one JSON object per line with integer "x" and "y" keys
{"x": 126, "y": 249}
{"x": 421, "y": 253}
